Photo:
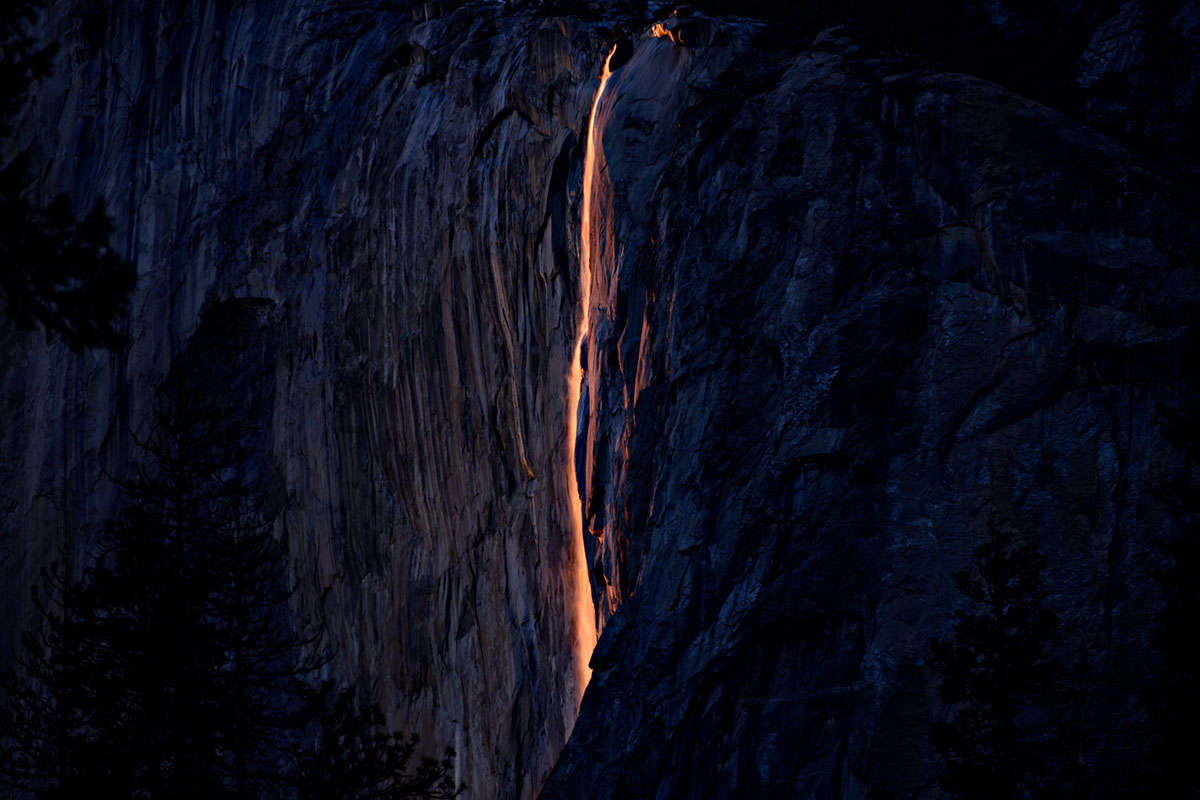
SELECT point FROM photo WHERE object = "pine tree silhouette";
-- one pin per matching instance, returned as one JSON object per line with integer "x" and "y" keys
{"x": 355, "y": 757}
{"x": 173, "y": 668}
{"x": 56, "y": 270}
{"x": 1173, "y": 698}
{"x": 54, "y": 698}
{"x": 250, "y": 659}
{"x": 1006, "y": 737}
{"x": 154, "y": 650}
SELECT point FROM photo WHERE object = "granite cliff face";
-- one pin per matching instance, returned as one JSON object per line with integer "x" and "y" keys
{"x": 850, "y": 313}
{"x": 844, "y": 308}
{"x": 391, "y": 201}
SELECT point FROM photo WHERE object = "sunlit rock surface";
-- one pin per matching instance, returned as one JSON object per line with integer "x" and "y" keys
{"x": 847, "y": 309}
{"x": 395, "y": 201}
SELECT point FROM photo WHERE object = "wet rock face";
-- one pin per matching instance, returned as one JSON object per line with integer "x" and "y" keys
{"x": 849, "y": 314}
{"x": 847, "y": 309}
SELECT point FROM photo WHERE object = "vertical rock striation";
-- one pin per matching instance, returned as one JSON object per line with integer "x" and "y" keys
{"x": 842, "y": 308}
{"x": 394, "y": 202}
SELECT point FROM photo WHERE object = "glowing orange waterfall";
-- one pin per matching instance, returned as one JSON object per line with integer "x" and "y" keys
{"x": 585, "y": 610}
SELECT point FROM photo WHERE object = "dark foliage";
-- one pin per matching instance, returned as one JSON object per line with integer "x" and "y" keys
{"x": 173, "y": 668}
{"x": 1175, "y": 695}
{"x": 1007, "y": 737}
{"x": 53, "y": 700}
{"x": 56, "y": 270}
{"x": 1173, "y": 698}
{"x": 235, "y": 616}
{"x": 355, "y": 757}
{"x": 154, "y": 730}
{"x": 22, "y": 59}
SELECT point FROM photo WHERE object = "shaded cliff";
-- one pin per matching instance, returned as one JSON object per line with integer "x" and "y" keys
{"x": 852, "y": 309}
{"x": 845, "y": 306}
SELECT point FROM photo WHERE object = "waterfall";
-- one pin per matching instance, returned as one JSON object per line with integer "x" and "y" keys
{"x": 584, "y": 611}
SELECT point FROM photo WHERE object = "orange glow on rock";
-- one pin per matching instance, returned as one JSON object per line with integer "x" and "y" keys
{"x": 659, "y": 30}
{"x": 585, "y": 611}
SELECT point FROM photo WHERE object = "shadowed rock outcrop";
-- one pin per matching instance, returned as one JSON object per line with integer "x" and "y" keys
{"x": 851, "y": 312}
{"x": 850, "y": 307}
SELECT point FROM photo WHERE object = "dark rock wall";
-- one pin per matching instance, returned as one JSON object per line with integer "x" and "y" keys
{"x": 1130, "y": 68}
{"x": 852, "y": 312}
{"x": 850, "y": 308}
